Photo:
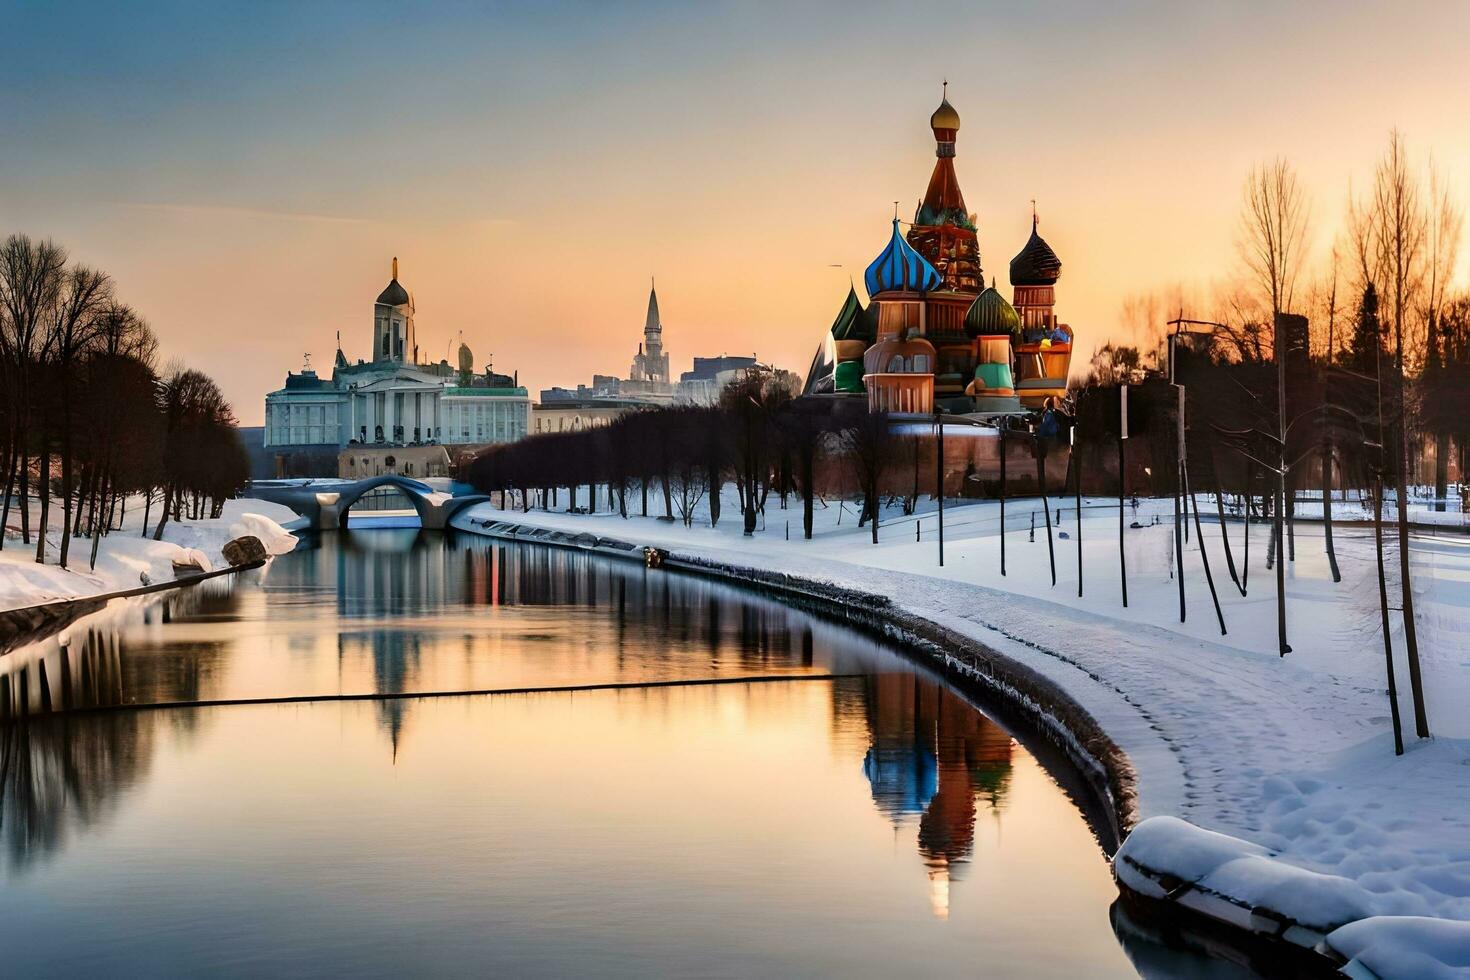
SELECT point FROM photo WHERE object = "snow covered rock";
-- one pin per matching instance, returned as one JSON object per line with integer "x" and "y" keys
{"x": 244, "y": 550}
{"x": 275, "y": 539}
{"x": 191, "y": 561}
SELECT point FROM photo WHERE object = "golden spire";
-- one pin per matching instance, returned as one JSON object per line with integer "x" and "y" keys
{"x": 395, "y": 267}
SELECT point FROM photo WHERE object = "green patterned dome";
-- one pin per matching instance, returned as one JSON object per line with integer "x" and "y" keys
{"x": 991, "y": 315}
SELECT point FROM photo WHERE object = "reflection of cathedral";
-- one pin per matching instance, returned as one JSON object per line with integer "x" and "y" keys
{"x": 930, "y": 755}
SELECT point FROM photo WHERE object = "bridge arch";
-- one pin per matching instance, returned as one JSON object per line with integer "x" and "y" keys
{"x": 326, "y": 505}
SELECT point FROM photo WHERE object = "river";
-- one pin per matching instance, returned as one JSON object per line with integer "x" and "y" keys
{"x": 851, "y": 817}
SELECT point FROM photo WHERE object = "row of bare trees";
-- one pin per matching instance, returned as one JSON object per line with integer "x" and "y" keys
{"x": 1348, "y": 380}
{"x": 87, "y": 419}
{"x": 757, "y": 438}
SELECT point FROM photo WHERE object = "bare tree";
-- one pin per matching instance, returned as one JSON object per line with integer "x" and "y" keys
{"x": 30, "y": 279}
{"x": 1274, "y": 221}
{"x": 1445, "y": 223}
{"x": 1393, "y": 227}
{"x": 1274, "y": 229}
{"x": 71, "y": 327}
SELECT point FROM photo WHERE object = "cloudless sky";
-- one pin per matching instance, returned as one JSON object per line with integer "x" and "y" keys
{"x": 247, "y": 171}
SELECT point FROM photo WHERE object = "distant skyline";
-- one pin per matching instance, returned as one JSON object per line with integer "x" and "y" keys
{"x": 246, "y": 172}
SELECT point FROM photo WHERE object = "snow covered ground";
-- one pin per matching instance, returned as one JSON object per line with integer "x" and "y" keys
{"x": 125, "y": 556}
{"x": 1292, "y": 754}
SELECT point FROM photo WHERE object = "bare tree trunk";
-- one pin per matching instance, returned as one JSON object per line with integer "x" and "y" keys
{"x": 10, "y": 462}
{"x": 1441, "y": 469}
{"x": 65, "y": 470}
{"x": 44, "y": 478}
{"x": 99, "y": 496}
{"x": 168, "y": 490}
{"x": 1393, "y": 694}
{"x": 1406, "y": 587}
{"x": 1327, "y": 507}
{"x": 807, "y": 466}
{"x": 25, "y": 497}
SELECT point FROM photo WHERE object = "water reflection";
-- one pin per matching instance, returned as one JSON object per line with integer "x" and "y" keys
{"x": 59, "y": 777}
{"x": 615, "y": 832}
{"x": 935, "y": 758}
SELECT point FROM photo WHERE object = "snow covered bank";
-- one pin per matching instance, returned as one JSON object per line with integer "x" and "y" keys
{"x": 1289, "y": 756}
{"x": 125, "y": 558}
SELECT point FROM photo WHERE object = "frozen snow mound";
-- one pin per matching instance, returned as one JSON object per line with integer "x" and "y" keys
{"x": 1242, "y": 884}
{"x": 1403, "y": 946}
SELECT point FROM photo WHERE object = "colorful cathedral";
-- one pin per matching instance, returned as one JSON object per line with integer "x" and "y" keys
{"x": 935, "y": 337}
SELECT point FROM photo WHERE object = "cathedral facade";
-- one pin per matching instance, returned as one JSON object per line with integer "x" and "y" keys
{"x": 934, "y": 336}
{"x": 396, "y": 398}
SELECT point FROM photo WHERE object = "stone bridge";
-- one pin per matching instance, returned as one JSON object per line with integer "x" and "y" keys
{"x": 325, "y": 504}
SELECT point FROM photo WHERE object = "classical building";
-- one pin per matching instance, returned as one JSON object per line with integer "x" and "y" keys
{"x": 395, "y": 399}
{"x": 935, "y": 337}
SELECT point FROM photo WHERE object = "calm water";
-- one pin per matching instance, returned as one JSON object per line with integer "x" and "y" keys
{"x": 871, "y": 825}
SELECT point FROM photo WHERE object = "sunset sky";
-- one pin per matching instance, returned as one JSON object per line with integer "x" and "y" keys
{"x": 246, "y": 172}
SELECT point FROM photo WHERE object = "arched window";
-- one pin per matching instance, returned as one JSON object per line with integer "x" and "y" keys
{"x": 895, "y": 364}
{"x": 920, "y": 364}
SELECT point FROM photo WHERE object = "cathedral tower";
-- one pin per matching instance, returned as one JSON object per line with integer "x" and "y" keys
{"x": 943, "y": 231}
{"x": 651, "y": 363}
{"x": 394, "y": 338}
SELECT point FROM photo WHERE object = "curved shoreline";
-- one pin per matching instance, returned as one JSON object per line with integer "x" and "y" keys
{"x": 29, "y": 624}
{"x": 1038, "y": 702}
{"x": 1040, "y": 705}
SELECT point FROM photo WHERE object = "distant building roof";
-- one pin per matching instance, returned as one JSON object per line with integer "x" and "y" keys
{"x": 706, "y": 368}
{"x": 307, "y": 381}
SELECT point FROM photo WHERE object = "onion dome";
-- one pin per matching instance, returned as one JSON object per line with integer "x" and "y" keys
{"x": 394, "y": 294}
{"x": 991, "y": 315}
{"x": 945, "y": 117}
{"x": 852, "y": 321}
{"x": 898, "y": 268}
{"x": 1036, "y": 264}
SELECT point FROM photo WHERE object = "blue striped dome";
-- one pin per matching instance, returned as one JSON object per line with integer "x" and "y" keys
{"x": 898, "y": 268}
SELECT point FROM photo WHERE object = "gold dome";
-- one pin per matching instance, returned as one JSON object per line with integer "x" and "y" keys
{"x": 944, "y": 117}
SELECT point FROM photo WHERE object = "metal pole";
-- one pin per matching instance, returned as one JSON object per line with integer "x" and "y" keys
{"x": 939, "y": 480}
{"x": 1002, "y": 497}
{"x": 1178, "y": 489}
{"x": 1122, "y": 486}
{"x": 1077, "y": 485}
{"x": 1051, "y": 556}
